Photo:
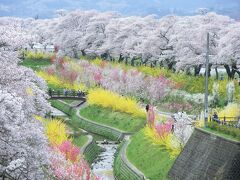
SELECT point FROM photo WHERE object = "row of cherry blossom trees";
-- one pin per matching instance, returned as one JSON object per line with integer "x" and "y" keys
{"x": 179, "y": 43}
{"x": 25, "y": 151}
{"x": 23, "y": 145}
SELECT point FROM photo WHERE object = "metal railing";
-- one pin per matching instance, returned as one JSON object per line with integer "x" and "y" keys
{"x": 67, "y": 94}
{"x": 223, "y": 121}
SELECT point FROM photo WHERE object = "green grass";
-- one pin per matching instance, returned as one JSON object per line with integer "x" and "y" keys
{"x": 153, "y": 160}
{"x": 119, "y": 120}
{"x": 219, "y": 133}
{"x": 80, "y": 140}
{"x": 75, "y": 123}
{"x": 36, "y": 64}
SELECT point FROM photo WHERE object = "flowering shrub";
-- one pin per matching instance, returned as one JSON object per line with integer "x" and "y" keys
{"x": 130, "y": 82}
{"x": 161, "y": 135}
{"x": 56, "y": 131}
{"x": 114, "y": 101}
{"x": 163, "y": 130}
{"x": 56, "y": 81}
{"x": 37, "y": 55}
{"x": 230, "y": 91}
{"x": 64, "y": 169}
{"x": 70, "y": 151}
{"x": 65, "y": 159}
{"x": 176, "y": 107}
{"x": 183, "y": 127}
{"x": 231, "y": 111}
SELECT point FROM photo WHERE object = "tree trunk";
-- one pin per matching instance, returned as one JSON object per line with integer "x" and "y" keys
{"x": 155, "y": 63}
{"x": 216, "y": 71}
{"x": 75, "y": 54}
{"x": 197, "y": 70}
{"x": 126, "y": 60}
{"x": 228, "y": 70}
{"x": 83, "y": 52}
{"x": 121, "y": 58}
{"x": 209, "y": 70}
{"x": 234, "y": 70}
{"x": 161, "y": 64}
{"x": 187, "y": 71}
{"x": 132, "y": 61}
{"x": 141, "y": 63}
{"x": 170, "y": 65}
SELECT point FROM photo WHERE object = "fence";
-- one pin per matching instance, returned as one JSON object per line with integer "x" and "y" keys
{"x": 234, "y": 122}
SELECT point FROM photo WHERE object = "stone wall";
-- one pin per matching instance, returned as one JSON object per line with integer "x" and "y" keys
{"x": 207, "y": 156}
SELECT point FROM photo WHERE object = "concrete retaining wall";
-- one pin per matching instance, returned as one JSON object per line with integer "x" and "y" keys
{"x": 207, "y": 156}
{"x": 90, "y": 150}
{"x": 126, "y": 170}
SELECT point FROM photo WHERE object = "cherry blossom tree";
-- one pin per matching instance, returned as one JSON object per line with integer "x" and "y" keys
{"x": 178, "y": 43}
{"x": 229, "y": 49}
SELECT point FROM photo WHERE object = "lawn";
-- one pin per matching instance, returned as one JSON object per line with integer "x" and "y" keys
{"x": 36, "y": 64}
{"x": 119, "y": 120}
{"x": 153, "y": 160}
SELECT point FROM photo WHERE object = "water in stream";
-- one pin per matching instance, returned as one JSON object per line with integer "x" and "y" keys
{"x": 103, "y": 165}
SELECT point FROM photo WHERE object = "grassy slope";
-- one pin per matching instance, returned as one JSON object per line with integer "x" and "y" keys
{"x": 153, "y": 161}
{"x": 219, "y": 133}
{"x": 36, "y": 64}
{"x": 80, "y": 141}
{"x": 119, "y": 120}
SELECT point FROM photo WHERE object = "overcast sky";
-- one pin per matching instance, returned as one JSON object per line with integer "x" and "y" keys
{"x": 46, "y": 8}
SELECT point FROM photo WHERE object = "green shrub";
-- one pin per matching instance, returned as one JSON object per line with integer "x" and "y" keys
{"x": 232, "y": 131}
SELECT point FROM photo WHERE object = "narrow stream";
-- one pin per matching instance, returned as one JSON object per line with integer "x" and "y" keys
{"x": 103, "y": 165}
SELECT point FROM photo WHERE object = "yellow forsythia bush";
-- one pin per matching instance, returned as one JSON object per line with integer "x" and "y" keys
{"x": 38, "y": 55}
{"x": 56, "y": 132}
{"x": 231, "y": 110}
{"x": 169, "y": 141}
{"x": 115, "y": 101}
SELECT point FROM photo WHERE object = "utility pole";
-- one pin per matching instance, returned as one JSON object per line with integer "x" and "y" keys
{"x": 206, "y": 84}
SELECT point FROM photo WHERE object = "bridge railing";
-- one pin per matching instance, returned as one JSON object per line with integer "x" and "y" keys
{"x": 58, "y": 93}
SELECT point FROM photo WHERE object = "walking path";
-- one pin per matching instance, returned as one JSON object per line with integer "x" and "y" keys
{"x": 57, "y": 113}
